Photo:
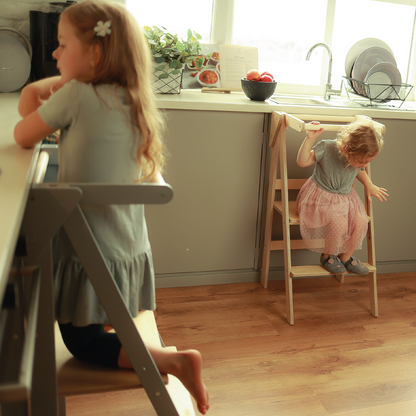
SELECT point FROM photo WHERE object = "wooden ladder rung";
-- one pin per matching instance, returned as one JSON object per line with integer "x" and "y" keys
{"x": 318, "y": 270}
{"x": 293, "y": 211}
{"x": 280, "y": 245}
{"x": 77, "y": 378}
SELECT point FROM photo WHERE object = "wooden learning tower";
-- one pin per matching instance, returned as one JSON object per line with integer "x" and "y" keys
{"x": 287, "y": 210}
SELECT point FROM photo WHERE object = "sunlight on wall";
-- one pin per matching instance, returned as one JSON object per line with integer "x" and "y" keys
{"x": 283, "y": 34}
{"x": 176, "y": 17}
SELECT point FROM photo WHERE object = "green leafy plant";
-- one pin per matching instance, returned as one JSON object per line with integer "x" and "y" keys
{"x": 167, "y": 48}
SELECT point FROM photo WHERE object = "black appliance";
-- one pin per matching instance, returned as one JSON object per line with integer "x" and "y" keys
{"x": 44, "y": 39}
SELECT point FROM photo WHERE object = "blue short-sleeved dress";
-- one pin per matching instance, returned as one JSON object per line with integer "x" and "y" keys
{"x": 98, "y": 144}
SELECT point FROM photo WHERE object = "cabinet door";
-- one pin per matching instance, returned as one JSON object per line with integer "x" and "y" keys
{"x": 214, "y": 168}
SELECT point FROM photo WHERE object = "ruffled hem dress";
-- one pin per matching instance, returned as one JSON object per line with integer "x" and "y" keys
{"x": 98, "y": 144}
{"x": 75, "y": 299}
{"x": 332, "y": 216}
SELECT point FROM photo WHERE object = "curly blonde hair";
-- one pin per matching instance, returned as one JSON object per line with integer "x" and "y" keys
{"x": 359, "y": 140}
{"x": 125, "y": 61}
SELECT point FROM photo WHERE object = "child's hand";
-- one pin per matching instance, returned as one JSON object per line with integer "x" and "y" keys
{"x": 33, "y": 95}
{"x": 57, "y": 86}
{"x": 306, "y": 155}
{"x": 44, "y": 88}
{"x": 314, "y": 134}
{"x": 380, "y": 193}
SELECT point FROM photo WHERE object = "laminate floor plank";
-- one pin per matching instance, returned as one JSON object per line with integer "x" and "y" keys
{"x": 336, "y": 360}
{"x": 399, "y": 409}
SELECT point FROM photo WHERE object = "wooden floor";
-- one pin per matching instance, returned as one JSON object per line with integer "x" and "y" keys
{"x": 336, "y": 360}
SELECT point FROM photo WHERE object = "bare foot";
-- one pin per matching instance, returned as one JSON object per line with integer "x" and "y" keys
{"x": 185, "y": 365}
{"x": 187, "y": 368}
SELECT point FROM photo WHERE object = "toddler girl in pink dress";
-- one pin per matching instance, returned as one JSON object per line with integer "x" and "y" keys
{"x": 333, "y": 220}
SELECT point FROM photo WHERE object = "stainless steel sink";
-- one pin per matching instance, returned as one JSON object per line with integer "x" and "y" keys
{"x": 312, "y": 101}
{"x": 334, "y": 102}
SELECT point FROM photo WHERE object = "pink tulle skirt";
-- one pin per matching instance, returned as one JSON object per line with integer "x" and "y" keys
{"x": 331, "y": 223}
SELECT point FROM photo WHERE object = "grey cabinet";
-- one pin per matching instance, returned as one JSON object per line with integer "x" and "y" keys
{"x": 211, "y": 225}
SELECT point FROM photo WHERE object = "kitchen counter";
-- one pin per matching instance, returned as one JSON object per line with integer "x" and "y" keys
{"x": 17, "y": 168}
{"x": 238, "y": 102}
{"x": 207, "y": 238}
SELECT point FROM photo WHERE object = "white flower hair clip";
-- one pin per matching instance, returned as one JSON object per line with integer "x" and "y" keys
{"x": 103, "y": 29}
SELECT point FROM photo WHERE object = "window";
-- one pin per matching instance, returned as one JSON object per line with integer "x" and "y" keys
{"x": 283, "y": 31}
{"x": 391, "y": 22}
{"x": 177, "y": 17}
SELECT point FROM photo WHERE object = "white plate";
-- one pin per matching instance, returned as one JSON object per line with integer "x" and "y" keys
{"x": 358, "y": 47}
{"x": 378, "y": 87}
{"x": 379, "y": 78}
{"x": 367, "y": 59}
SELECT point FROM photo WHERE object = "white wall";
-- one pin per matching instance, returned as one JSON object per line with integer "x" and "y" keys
{"x": 15, "y": 13}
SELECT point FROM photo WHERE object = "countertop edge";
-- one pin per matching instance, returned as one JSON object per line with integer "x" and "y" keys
{"x": 238, "y": 102}
{"x": 18, "y": 167}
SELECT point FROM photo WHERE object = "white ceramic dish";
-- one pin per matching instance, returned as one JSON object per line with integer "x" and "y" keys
{"x": 367, "y": 59}
{"x": 193, "y": 68}
{"x": 204, "y": 73}
{"x": 379, "y": 79}
{"x": 215, "y": 59}
{"x": 360, "y": 46}
{"x": 378, "y": 87}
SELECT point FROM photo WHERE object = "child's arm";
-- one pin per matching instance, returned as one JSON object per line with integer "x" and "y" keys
{"x": 34, "y": 94}
{"x": 371, "y": 189}
{"x": 31, "y": 130}
{"x": 306, "y": 156}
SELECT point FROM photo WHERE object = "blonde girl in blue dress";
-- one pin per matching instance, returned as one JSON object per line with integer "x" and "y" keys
{"x": 110, "y": 133}
{"x": 333, "y": 220}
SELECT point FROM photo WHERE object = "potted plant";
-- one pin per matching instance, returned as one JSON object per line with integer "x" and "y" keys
{"x": 170, "y": 54}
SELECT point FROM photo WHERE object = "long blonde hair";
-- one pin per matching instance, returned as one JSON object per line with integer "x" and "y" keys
{"x": 125, "y": 61}
{"x": 359, "y": 140}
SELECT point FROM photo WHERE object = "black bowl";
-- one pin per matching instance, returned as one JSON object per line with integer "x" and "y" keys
{"x": 257, "y": 90}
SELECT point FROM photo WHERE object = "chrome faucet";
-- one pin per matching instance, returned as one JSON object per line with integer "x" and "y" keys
{"x": 328, "y": 86}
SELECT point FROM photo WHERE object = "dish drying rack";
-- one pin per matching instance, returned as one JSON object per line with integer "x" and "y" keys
{"x": 393, "y": 94}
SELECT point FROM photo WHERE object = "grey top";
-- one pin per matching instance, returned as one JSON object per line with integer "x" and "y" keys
{"x": 332, "y": 172}
{"x": 98, "y": 144}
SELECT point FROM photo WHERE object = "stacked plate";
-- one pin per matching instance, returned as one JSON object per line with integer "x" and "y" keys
{"x": 371, "y": 62}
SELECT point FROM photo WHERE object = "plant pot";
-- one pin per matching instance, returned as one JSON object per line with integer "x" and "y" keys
{"x": 166, "y": 80}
